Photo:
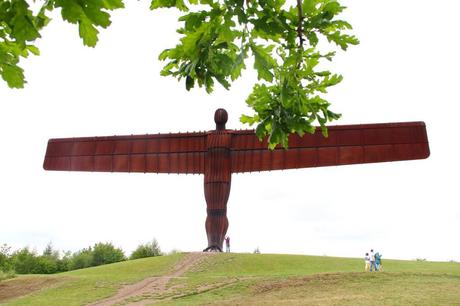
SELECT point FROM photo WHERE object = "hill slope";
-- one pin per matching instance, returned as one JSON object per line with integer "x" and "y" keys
{"x": 232, "y": 279}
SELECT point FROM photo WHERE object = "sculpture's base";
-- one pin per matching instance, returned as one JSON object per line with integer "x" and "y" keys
{"x": 213, "y": 248}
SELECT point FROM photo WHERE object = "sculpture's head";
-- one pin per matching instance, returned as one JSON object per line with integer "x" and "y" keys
{"x": 220, "y": 118}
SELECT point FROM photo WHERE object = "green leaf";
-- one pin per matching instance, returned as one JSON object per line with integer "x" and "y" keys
{"x": 312, "y": 38}
{"x": 21, "y": 22}
{"x": 88, "y": 32}
{"x": 323, "y": 73}
{"x": 223, "y": 82}
{"x": 209, "y": 83}
{"x": 238, "y": 65}
{"x": 333, "y": 80}
{"x": 34, "y": 50}
{"x": 331, "y": 8}
{"x": 261, "y": 131}
{"x": 13, "y": 75}
{"x": 341, "y": 25}
{"x": 89, "y": 14}
{"x": 189, "y": 82}
{"x": 263, "y": 62}
{"x": 113, "y": 4}
{"x": 249, "y": 119}
{"x": 193, "y": 20}
{"x": 71, "y": 11}
{"x": 268, "y": 28}
{"x": 97, "y": 16}
{"x": 23, "y": 29}
{"x": 179, "y": 4}
{"x": 164, "y": 54}
{"x": 309, "y": 6}
{"x": 342, "y": 40}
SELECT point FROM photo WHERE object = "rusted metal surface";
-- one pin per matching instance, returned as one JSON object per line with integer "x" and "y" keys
{"x": 162, "y": 153}
{"x": 217, "y": 182}
{"x": 346, "y": 144}
{"x": 220, "y": 152}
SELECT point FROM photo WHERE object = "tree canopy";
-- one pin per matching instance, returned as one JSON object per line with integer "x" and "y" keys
{"x": 218, "y": 36}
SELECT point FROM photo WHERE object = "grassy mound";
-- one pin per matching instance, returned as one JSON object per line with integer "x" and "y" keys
{"x": 86, "y": 285}
{"x": 237, "y": 279}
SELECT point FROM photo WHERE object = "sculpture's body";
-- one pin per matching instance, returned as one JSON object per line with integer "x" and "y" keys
{"x": 219, "y": 153}
{"x": 217, "y": 181}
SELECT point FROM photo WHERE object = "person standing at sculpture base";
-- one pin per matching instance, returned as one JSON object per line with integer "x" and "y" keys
{"x": 227, "y": 244}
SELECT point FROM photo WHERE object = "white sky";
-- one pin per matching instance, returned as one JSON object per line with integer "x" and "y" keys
{"x": 406, "y": 69}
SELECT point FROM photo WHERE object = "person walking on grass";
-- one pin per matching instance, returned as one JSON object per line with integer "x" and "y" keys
{"x": 367, "y": 261}
{"x": 378, "y": 262}
{"x": 372, "y": 256}
{"x": 227, "y": 244}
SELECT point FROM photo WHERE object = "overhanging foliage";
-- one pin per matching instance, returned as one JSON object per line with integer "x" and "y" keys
{"x": 217, "y": 38}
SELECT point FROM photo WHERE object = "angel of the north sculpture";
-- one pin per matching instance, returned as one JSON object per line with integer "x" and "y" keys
{"x": 220, "y": 152}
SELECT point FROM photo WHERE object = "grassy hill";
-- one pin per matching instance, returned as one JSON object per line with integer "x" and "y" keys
{"x": 232, "y": 279}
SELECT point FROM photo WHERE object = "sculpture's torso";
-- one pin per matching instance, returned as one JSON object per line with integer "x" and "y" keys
{"x": 217, "y": 181}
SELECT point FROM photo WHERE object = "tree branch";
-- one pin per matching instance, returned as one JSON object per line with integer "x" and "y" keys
{"x": 299, "y": 26}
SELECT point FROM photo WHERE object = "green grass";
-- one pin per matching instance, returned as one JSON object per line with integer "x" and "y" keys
{"x": 6, "y": 275}
{"x": 86, "y": 285}
{"x": 241, "y": 279}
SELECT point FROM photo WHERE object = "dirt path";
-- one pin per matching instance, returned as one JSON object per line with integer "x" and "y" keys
{"x": 24, "y": 285}
{"x": 151, "y": 286}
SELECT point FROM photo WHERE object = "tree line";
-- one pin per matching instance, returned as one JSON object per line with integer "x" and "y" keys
{"x": 29, "y": 261}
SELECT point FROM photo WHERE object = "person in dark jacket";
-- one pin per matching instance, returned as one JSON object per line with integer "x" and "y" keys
{"x": 227, "y": 244}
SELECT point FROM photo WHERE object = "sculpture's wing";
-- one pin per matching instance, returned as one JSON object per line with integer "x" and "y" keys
{"x": 347, "y": 144}
{"x": 162, "y": 153}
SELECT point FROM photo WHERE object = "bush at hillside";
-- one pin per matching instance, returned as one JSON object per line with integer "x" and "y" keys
{"x": 5, "y": 260}
{"x": 106, "y": 253}
{"x": 81, "y": 259}
{"x": 149, "y": 249}
{"x": 99, "y": 254}
{"x": 27, "y": 261}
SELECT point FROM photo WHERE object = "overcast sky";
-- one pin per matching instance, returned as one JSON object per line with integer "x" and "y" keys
{"x": 405, "y": 69}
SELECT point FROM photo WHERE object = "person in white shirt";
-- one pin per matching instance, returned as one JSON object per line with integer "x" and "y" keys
{"x": 372, "y": 257}
{"x": 367, "y": 261}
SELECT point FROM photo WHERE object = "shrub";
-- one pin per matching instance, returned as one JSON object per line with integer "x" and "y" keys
{"x": 49, "y": 262}
{"x": 64, "y": 262}
{"x": 5, "y": 259}
{"x": 24, "y": 261}
{"x": 149, "y": 249}
{"x": 81, "y": 259}
{"x": 45, "y": 265}
{"x": 106, "y": 253}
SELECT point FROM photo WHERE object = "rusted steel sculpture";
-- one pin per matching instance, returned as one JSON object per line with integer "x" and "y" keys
{"x": 220, "y": 152}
